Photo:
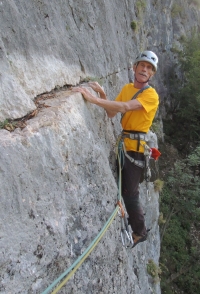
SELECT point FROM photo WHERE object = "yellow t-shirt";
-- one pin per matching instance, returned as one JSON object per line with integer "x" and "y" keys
{"x": 140, "y": 119}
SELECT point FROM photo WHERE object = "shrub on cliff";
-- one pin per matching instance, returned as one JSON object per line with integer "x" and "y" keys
{"x": 180, "y": 238}
{"x": 183, "y": 122}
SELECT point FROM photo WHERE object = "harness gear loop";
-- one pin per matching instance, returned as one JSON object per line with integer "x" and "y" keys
{"x": 139, "y": 163}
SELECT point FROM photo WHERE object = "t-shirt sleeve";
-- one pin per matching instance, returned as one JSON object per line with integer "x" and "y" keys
{"x": 149, "y": 100}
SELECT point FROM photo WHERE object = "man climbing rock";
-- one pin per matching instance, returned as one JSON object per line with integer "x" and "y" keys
{"x": 138, "y": 103}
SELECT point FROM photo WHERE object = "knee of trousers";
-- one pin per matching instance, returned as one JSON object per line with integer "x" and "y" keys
{"x": 132, "y": 203}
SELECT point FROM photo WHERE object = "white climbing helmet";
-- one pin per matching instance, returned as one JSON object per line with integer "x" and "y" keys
{"x": 148, "y": 56}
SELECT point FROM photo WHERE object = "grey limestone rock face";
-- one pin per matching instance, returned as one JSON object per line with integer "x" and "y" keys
{"x": 57, "y": 175}
{"x": 47, "y": 44}
{"x": 58, "y": 189}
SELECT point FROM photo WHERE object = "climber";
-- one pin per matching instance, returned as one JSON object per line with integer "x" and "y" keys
{"x": 137, "y": 117}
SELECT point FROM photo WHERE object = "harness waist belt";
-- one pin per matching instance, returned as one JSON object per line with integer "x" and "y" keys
{"x": 134, "y": 135}
{"x": 138, "y": 136}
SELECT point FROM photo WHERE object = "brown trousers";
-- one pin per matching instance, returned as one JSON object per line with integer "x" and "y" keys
{"x": 131, "y": 175}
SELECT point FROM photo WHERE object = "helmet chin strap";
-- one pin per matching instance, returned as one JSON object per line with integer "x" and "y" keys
{"x": 142, "y": 82}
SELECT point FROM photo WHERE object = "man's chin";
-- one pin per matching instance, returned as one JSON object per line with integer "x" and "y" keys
{"x": 142, "y": 80}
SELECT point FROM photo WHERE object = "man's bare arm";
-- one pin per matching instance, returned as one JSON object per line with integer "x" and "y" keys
{"x": 111, "y": 107}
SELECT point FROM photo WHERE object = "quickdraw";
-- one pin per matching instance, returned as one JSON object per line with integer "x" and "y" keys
{"x": 147, "y": 170}
{"x": 126, "y": 236}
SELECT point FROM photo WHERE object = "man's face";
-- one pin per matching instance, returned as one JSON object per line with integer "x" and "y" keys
{"x": 143, "y": 71}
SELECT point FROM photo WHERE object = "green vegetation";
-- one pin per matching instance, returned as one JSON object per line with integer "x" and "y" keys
{"x": 176, "y": 9}
{"x": 7, "y": 125}
{"x": 92, "y": 79}
{"x": 153, "y": 270}
{"x": 140, "y": 7}
{"x": 180, "y": 197}
{"x": 161, "y": 219}
{"x": 157, "y": 128}
{"x": 3, "y": 123}
{"x": 133, "y": 25}
{"x": 180, "y": 205}
{"x": 183, "y": 127}
{"x": 158, "y": 185}
{"x": 141, "y": 4}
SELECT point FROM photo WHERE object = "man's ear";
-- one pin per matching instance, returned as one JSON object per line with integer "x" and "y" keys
{"x": 134, "y": 67}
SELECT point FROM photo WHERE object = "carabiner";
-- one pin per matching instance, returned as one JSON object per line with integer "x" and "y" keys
{"x": 126, "y": 236}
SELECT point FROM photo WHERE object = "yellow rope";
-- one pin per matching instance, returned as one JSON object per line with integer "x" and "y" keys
{"x": 82, "y": 260}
